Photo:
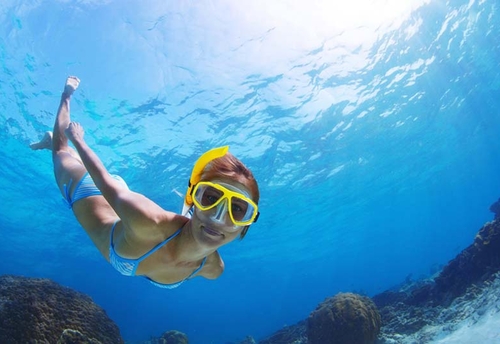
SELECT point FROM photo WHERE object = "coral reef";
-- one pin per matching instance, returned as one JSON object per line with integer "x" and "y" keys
{"x": 414, "y": 324}
{"x": 73, "y": 336}
{"x": 248, "y": 340}
{"x": 34, "y": 310}
{"x": 495, "y": 208}
{"x": 345, "y": 318}
{"x": 474, "y": 264}
{"x": 413, "y": 307}
{"x": 171, "y": 337}
{"x": 295, "y": 334}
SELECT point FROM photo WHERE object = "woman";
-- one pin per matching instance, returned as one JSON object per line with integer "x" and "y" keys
{"x": 135, "y": 234}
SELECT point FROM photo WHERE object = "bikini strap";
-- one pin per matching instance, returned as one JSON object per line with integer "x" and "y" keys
{"x": 157, "y": 247}
{"x": 112, "y": 232}
{"x": 66, "y": 188}
{"x": 199, "y": 268}
{"x": 67, "y": 197}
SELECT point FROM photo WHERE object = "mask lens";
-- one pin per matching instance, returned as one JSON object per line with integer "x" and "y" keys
{"x": 208, "y": 196}
{"x": 240, "y": 209}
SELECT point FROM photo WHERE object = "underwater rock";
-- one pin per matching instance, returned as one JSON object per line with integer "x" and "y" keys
{"x": 36, "y": 310}
{"x": 172, "y": 337}
{"x": 495, "y": 209}
{"x": 75, "y": 337}
{"x": 402, "y": 318}
{"x": 476, "y": 263}
{"x": 345, "y": 318}
{"x": 464, "y": 317}
{"x": 168, "y": 337}
{"x": 295, "y": 334}
{"x": 412, "y": 307}
{"x": 248, "y": 340}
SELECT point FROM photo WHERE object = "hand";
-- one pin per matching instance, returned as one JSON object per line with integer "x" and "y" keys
{"x": 74, "y": 131}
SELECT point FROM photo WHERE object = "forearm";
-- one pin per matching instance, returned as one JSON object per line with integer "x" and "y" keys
{"x": 138, "y": 213}
{"x": 92, "y": 163}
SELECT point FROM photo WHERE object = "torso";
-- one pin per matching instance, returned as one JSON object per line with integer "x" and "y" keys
{"x": 161, "y": 266}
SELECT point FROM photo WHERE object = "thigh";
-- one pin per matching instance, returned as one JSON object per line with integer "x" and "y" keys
{"x": 93, "y": 213}
{"x": 97, "y": 218}
{"x": 68, "y": 170}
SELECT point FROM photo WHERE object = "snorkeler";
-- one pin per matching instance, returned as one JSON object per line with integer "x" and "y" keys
{"x": 136, "y": 235}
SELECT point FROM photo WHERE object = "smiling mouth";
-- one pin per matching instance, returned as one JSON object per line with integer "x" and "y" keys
{"x": 212, "y": 232}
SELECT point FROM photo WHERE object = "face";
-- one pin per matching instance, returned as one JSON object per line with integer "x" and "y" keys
{"x": 214, "y": 226}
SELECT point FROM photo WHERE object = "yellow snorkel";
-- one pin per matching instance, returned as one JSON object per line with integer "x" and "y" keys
{"x": 200, "y": 164}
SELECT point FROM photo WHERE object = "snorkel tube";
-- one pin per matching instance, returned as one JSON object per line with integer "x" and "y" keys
{"x": 198, "y": 168}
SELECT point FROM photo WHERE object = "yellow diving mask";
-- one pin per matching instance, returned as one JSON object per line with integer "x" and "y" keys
{"x": 225, "y": 198}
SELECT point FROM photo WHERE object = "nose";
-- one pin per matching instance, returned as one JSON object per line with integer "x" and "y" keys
{"x": 220, "y": 212}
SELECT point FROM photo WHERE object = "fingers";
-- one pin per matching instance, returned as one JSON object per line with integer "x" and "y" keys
{"x": 75, "y": 125}
{"x": 74, "y": 130}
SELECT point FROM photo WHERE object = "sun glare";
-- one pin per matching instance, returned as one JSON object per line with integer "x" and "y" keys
{"x": 309, "y": 23}
{"x": 326, "y": 16}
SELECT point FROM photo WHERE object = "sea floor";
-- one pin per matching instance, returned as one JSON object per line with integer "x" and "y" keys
{"x": 472, "y": 318}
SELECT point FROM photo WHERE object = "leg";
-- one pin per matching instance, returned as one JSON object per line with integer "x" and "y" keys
{"x": 94, "y": 213}
{"x": 46, "y": 143}
{"x": 67, "y": 164}
{"x": 59, "y": 139}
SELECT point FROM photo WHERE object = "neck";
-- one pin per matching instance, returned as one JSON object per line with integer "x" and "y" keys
{"x": 187, "y": 248}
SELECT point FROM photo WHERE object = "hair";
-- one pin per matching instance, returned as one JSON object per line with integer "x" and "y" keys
{"x": 230, "y": 167}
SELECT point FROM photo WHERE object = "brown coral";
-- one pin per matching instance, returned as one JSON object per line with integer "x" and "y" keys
{"x": 173, "y": 337}
{"x": 345, "y": 318}
{"x": 39, "y": 310}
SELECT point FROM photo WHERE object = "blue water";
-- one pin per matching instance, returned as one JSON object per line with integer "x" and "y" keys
{"x": 372, "y": 128}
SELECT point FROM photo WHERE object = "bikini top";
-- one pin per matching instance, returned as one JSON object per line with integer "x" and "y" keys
{"x": 128, "y": 267}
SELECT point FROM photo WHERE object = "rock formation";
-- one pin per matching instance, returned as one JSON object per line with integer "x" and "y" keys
{"x": 171, "y": 337}
{"x": 412, "y": 307}
{"x": 35, "y": 310}
{"x": 344, "y": 318}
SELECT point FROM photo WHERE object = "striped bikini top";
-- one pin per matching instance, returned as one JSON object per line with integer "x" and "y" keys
{"x": 128, "y": 267}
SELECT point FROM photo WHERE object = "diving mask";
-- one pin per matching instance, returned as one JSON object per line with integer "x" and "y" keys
{"x": 225, "y": 198}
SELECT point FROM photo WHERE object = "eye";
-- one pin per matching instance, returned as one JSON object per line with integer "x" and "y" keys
{"x": 211, "y": 199}
{"x": 236, "y": 208}
{"x": 210, "y": 196}
{"x": 239, "y": 208}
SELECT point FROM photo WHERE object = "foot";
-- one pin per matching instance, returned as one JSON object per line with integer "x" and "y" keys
{"x": 44, "y": 143}
{"x": 72, "y": 83}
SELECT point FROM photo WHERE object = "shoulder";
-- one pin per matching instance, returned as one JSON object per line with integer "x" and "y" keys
{"x": 214, "y": 266}
{"x": 153, "y": 231}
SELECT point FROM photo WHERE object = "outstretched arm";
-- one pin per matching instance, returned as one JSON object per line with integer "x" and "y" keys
{"x": 137, "y": 212}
